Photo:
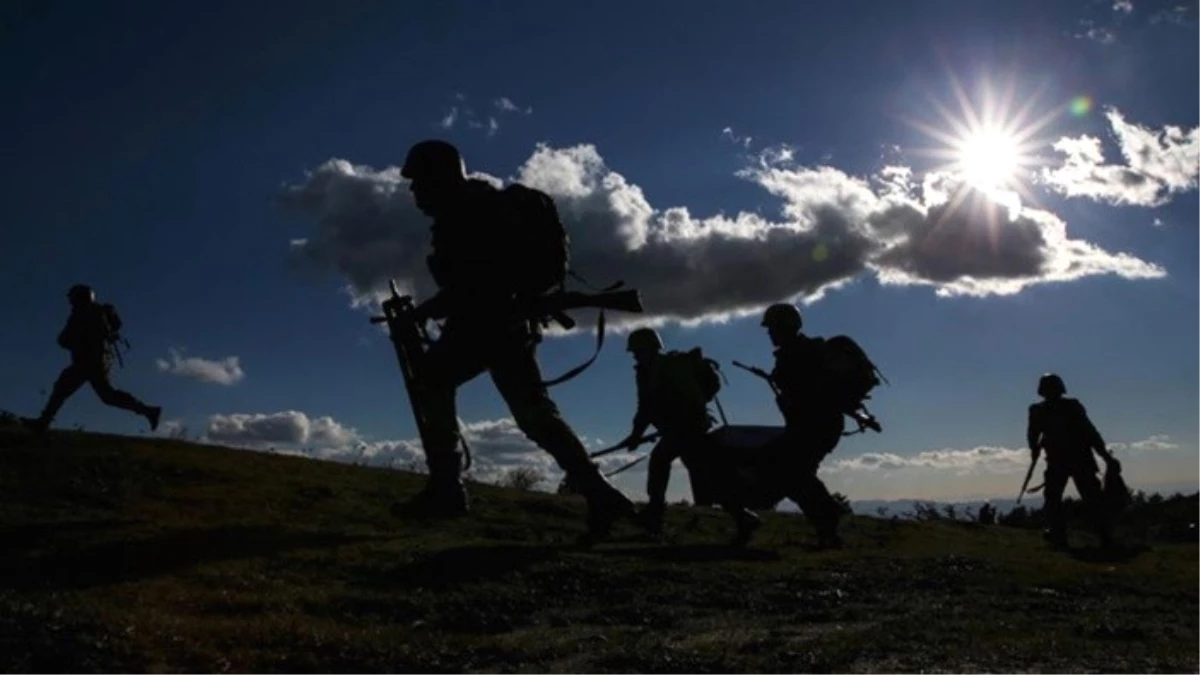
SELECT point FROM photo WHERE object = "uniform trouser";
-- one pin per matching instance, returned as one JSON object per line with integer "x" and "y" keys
{"x": 672, "y": 446}
{"x": 790, "y": 467}
{"x": 512, "y": 363}
{"x": 1083, "y": 473}
{"x": 96, "y": 374}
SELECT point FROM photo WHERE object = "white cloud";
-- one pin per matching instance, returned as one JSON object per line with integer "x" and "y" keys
{"x": 981, "y": 459}
{"x": 743, "y": 141}
{"x": 226, "y": 371}
{"x": 832, "y": 229}
{"x": 1158, "y": 164}
{"x": 1124, "y": 6}
{"x": 505, "y": 104}
{"x": 1155, "y": 442}
{"x": 497, "y": 446}
{"x": 450, "y": 118}
{"x": 172, "y": 429}
{"x": 1104, "y": 36}
{"x": 289, "y": 427}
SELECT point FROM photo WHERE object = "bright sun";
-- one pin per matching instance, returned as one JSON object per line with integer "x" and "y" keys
{"x": 988, "y": 159}
{"x": 989, "y": 144}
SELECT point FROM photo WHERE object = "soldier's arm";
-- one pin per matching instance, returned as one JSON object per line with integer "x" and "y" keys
{"x": 68, "y": 335}
{"x": 1095, "y": 440}
{"x": 1033, "y": 432}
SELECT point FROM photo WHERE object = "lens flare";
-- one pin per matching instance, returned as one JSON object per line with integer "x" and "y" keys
{"x": 1081, "y": 105}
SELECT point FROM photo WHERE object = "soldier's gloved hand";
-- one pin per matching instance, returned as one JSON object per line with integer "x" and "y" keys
{"x": 1112, "y": 463}
{"x": 629, "y": 443}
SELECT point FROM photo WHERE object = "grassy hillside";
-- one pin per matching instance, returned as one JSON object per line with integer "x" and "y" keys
{"x": 128, "y": 554}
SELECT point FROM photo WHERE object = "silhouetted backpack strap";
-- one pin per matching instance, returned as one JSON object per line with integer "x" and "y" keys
{"x": 112, "y": 322}
{"x": 540, "y": 239}
{"x": 708, "y": 374}
{"x": 850, "y": 373}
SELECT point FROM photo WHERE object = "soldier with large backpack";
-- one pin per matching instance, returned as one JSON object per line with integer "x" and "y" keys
{"x": 92, "y": 336}
{"x": 1060, "y": 426}
{"x": 818, "y": 383}
{"x": 674, "y": 389}
{"x": 495, "y": 252}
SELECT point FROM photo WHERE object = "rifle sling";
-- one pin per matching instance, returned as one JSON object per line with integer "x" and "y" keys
{"x": 572, "y": 373}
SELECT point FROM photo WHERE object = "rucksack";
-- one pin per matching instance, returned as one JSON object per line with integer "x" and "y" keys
{"x": 708, "y": 374}
{"x": 850, "y": 372}
{"x": 112, "y": 323}
{"x": 541, "y": 240}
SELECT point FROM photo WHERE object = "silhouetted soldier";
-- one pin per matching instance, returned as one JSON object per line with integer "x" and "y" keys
{"x": 987, "y": 514}
{"x": 1060, "y": 426}
{"x": 814, "y": 423}
{"x": 486, "y": 265}
{"x": 673, "y": 390}
{"x": 90, "y": 335}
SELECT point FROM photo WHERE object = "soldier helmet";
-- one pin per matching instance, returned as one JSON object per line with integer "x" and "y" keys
{"x": 434, "y": 160}
{"x": 644, "y": 340}
{"x": 81, "y": 294}
{"x": 1051, "y": 385}
{"x": 783, "y": 315}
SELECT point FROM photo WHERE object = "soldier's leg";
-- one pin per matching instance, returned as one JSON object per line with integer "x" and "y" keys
{"x": 809, "y": 491}
{"x": 519, "y": 380}
{"x": 1092, "y": 494}
{"x": 447, "y": 365}
{"x": 69, "y": 381}
{"x": 1055, "y": 481}
{"x": 98, "y": 377}
{"x": 658, "y": 476}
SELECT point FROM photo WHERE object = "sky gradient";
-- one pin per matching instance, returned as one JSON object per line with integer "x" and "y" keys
{"x": 226, "y": 175}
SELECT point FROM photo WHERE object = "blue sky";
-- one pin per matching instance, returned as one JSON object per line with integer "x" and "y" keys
{"x": 153, "y": 146}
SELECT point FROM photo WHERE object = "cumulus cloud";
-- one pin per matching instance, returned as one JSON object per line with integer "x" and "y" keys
{"x": 1123, "y": 6}
{"x": 226, "y": 371}
{"x": 289, "y": 427}
{"x": 497, "y": 446}
{"x": 172, "y": 429}
{"x": 832, "y": 228}
{"x": 981, "y": 459}
{"x": 1090, "y": 31}
{"x": 1158, "y": 164}
{"x": 1154, "y": 442}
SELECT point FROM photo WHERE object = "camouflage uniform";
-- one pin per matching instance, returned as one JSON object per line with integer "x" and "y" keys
{"x": 475, "y": 261}
{"x": 1061, "y": 426}
{"x": 85, "y": 337}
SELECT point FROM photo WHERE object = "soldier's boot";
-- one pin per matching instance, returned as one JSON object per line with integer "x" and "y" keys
{"x": 747, "y": 523}
{"x": 606, "y": 505}
{"x": 650, "y": 518}
{"x": 444, "y": 495}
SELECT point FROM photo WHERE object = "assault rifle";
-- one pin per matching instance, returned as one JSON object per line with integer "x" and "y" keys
{"x": 409, "y": 338}
{"x": 864, "y": 419}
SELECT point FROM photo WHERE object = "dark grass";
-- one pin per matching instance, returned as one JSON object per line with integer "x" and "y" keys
{"x": 128, "y": 554}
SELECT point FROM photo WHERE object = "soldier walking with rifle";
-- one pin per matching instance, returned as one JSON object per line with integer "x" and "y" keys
{"x": 1060, "y": 426}
{"x": 816, "y": 382}
{"x": 673, "y": 390}
{"x": 92, "y": 336}
{"x": 499, "y": 259}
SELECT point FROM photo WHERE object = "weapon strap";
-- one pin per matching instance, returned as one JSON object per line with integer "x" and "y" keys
{"x": 572, "y": 373}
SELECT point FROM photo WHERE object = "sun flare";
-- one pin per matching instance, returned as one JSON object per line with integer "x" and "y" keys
{"x": 989, "y": 159}
{"x": 989, "y": 146}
